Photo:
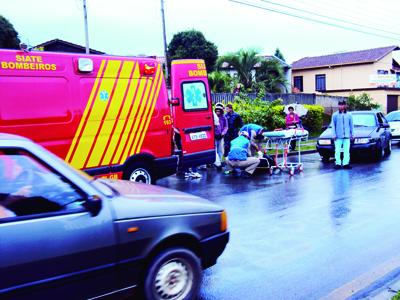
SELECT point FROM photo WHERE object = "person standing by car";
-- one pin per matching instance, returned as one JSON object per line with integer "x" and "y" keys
{"x": 234, "y": 124}
{"x": 220, "y": 131}
{"x": 343, "y": 133}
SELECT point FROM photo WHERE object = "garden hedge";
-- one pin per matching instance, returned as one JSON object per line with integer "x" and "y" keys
{"x": 271, "y": 115}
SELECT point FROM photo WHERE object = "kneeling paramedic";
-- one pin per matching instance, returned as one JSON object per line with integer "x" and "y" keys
{"x": 238, "y": 155}
{"x": 255, "y": 133}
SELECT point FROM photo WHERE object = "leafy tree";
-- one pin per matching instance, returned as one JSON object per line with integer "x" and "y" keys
{"x": 361, "y": 102}
{"x": 271, "y": 75}
{"x": 220, "y": 82}
{"x": 243, "y": 61}
{"x": 8, "y": 35}
{"x": 192, "y": 44}
{"x": 279, "y": 54}
{"x": 267, "y": 114}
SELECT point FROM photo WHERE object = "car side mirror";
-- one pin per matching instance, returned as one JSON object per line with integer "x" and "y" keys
{"x": 174, "y": 101}
{"x": 93, "y": 205}
{"x": 385, "y": 125}
{"x": 325, "y": 127}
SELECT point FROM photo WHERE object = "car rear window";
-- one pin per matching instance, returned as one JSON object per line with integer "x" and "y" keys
{"x": 392, "y": 117}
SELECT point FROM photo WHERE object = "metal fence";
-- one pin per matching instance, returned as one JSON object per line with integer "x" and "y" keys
{"x": 328, "y": 102}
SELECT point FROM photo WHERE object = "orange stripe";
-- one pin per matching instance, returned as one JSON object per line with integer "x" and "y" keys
{"x": 123, "y": 127}
{"x": 92, "y": 158}
{"x": 115, "y": 136}
{"x": 86, "y": 112}
{"x": 141, "y": 119}
{"x": 187, "y": 61}
{"x": 148, "y": 119}
{"x": 110, "y": 119}
{"x": 96, "y": 115}
{"x": 132, "y": 120}
{"x": 147, "y": 107}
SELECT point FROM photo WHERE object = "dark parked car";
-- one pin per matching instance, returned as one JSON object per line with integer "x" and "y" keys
{"x": 371, "y": 137}
{"x": 64, "y": 235}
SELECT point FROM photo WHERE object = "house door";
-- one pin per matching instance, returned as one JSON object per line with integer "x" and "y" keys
{"x": 392, "y": 103}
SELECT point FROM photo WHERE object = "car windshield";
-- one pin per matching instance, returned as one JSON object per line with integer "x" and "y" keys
{"x": 393, "y": 117}
{"x": 364, "y": 120}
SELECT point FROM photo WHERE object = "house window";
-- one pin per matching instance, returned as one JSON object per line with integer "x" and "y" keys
{"x": 320, "y": 82}
{"x": 298, "y": 82}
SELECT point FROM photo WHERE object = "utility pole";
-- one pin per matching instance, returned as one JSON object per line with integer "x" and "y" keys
{"x": 86, "y": 26}
{"x": 165, "y": 39}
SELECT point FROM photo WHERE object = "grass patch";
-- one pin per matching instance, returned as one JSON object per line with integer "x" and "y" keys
{"x": 397, "y": 296}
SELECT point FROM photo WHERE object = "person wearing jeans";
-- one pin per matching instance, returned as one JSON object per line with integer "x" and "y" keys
{"x": 238, "y": 156}
{"x": 343, "y": 132}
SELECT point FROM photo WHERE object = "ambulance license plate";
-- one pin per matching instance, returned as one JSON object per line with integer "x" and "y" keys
{"x": 198, "y": 135}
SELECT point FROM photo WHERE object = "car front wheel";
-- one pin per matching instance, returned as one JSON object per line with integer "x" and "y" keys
{"x": 174, "y": 274}
{"x": 388, "y": 149}
{"x": 325, "y": 158}
{"x": 379, "y": 151}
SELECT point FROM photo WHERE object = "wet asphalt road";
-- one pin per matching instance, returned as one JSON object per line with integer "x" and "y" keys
{"x": 304, "y": 236}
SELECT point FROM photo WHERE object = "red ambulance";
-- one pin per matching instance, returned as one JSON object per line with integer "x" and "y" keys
{"x": 109, "y": 116}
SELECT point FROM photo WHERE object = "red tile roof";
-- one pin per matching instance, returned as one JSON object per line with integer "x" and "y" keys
{"x": 354, "y": 57}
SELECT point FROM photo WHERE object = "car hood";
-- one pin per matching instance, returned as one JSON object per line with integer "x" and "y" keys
{"x": 363, "y": 131}
{"x": 136, "y": 200}
{"x": 395, "y": 125}
{"x": 358, "y": 132}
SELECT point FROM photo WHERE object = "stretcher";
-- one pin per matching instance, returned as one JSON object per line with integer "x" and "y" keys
{"x": 279, "y": 141}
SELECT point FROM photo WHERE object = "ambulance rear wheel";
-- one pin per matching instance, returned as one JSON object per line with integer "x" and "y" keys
{"x": 139, "y": 172}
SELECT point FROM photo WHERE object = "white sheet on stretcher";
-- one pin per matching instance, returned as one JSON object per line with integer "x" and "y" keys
{"x": 286, "y": 133}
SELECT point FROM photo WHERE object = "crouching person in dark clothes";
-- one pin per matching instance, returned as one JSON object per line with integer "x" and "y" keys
{"x": 238, "y": 156}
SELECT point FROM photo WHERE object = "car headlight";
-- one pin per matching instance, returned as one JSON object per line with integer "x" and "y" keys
{"x": 324, "y": 142}
{"x": 362, "y": 141}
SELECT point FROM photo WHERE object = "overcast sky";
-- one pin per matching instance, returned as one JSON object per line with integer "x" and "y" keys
{"x": 133, "y": 27}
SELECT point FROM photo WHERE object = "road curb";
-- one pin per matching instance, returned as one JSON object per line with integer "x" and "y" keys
{"x": 373, "y": 284}
{"x": 384, "y": 288}
{"x": 294, "y": 153}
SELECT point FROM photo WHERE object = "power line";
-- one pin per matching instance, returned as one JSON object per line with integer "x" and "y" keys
{"x": 328, "y": 17}
{"x": 313, "y": 20}
{"x": 359, "y": 14}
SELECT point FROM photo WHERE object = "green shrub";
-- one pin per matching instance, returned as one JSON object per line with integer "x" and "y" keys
{"x": 271, "y": 115}
{"x": 361, "y": 102}
{"x": 313, "y": 120}
{"x": 260, "y": 112}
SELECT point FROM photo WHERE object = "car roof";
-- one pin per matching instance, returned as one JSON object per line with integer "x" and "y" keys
{"x": 394, "y": 112}
{"x": 365, "y": 112}
{"x": 13, "y": 137}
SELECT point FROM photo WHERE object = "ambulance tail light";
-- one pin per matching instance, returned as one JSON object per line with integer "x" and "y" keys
{"x": 148, "y": 68}
{"x": 85, "y": 65}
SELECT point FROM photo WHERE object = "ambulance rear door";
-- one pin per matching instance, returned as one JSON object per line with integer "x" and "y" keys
{"x": 192, "y": 111}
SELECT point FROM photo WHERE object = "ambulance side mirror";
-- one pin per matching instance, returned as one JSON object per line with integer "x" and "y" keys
{"x": 174, "y": 101}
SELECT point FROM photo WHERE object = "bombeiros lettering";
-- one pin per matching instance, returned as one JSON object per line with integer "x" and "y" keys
{"x": 201, "y": 71}
{"x": 28, "y": 62}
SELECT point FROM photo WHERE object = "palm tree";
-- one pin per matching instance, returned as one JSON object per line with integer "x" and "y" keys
{"x": 243, "y": 61}
{"x": 272, "y": 75}
{"x": 219, "y": 82}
